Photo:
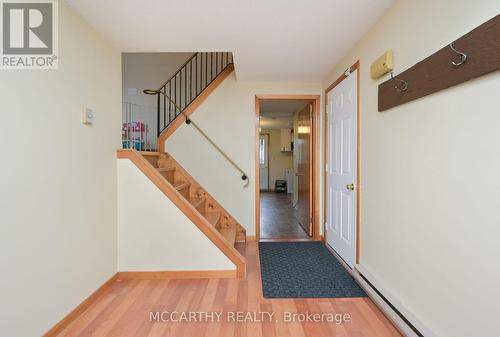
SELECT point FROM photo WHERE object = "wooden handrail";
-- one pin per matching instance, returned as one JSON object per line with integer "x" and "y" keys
{"x": 244, "y": 176}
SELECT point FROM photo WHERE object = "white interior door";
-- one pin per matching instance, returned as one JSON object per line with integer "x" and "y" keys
{"x": 342, "y": 167}
{"x": 264, "y": 161}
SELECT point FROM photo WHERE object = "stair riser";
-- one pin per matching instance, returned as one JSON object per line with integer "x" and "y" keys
{"x": 176, "y": 175}
{"x": 240, "y": 237}
{"x": 169, "y": 176}
{"x": 201, "y": 208}
{"x": 229, "y": 235}
{"x": 185, "y": 192}
{"x": 153, "y": 160}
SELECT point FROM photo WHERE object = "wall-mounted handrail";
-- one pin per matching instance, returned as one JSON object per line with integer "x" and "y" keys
{"x": 244, "y": 176}
{"x": 189, "y": 121}
{"x": 182, "y": 88}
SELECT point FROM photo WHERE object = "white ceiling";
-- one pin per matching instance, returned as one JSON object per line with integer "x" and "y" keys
{"x": 267, "y": 123}
{"x": 279, "y": 114}
{"x": 272, "y": 40}
{"x": 284, "y": 109}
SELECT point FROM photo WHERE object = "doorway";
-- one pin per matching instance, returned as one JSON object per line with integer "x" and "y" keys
{"x": 342, "y": 166}
{"x": 287, "y": 193}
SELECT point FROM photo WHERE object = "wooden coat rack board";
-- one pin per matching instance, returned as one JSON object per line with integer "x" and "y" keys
{"x": 473, "y": 55}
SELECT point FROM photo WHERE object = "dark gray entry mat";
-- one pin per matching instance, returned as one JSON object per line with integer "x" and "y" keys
{"x": 304, "y": 270}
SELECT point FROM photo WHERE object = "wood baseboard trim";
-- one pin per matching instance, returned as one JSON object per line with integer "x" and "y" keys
{"x": 56, "y": 329}
{"x": 251, "y": 238}
{"x": 192, "y": 107}
{"x": 178, "y": 274}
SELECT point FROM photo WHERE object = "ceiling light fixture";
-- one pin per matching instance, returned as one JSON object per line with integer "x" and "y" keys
{"x": 304, "y": 129}
{"x": 150, "y": 92}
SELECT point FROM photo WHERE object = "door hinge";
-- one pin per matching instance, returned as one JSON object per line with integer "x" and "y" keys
{"x": 326, "y": 167}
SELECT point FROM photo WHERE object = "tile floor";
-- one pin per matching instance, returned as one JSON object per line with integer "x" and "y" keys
{"x": 278, "y": 218}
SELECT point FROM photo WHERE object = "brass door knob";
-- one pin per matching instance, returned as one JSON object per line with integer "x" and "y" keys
{"x": 350, "y": 187}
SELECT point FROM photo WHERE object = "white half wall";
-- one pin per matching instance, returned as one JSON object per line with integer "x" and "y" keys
{"x": 154, "y": 235}
{"x": 58, "y": 180}
{"x": 228, "y": 117}
{"x": 429, "y": 230}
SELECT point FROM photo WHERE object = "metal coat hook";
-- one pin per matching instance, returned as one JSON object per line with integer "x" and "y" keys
{"x": 405, "y": 84}
{"x": 463, "y": 56}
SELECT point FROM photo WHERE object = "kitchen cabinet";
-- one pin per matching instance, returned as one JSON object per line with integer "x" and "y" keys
{"x": 286, "y": 140}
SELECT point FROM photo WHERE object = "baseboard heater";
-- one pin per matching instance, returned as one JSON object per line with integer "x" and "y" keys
{"x": 400, "y": 319}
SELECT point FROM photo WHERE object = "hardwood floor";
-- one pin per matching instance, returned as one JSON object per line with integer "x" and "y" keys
{"x": 278, "y": 218}
{"x": 124, "y": 309}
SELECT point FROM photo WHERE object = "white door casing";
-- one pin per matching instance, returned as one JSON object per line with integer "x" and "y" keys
{"x": 342, "y": 168}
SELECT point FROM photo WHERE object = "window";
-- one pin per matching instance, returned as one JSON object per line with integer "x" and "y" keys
{"x": 262, "y": 149}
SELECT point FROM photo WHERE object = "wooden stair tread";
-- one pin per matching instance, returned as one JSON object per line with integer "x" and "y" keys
{"x": 196, "y": 201}
{"x": 166, "y": 169}
{"x": 229, "y": 234}
{"x": 199, "y": 199}
{"x": 213, "y": 217}
{"x": 181, "y": 185}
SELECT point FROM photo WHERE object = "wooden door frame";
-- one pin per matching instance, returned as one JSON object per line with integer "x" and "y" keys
{"x": 315, "y": 157}
{"x": 268, "y": 159}
{"x": 355, "y": 66}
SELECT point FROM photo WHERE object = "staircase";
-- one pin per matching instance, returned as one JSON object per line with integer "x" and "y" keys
{"x": 176, "y": 100}
{"x": 199, "y": 198}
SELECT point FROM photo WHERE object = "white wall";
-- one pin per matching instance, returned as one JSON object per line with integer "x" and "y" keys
{"x": 153, "y": 234}
{"x": 58, "y": 179}
{"x": 228, "y": 117}
{"x": 429, "y": 230}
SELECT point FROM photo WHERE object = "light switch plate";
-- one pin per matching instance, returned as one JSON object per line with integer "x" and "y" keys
{"x": 87, "y": 116}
